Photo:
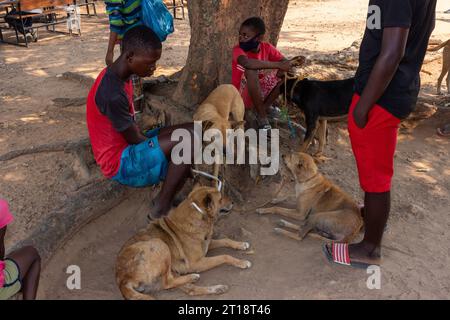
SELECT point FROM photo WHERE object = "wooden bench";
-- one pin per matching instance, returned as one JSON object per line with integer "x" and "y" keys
{"x": 53, "y": 13}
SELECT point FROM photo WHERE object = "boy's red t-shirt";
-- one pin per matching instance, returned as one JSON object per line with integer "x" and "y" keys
{"x": 267, "y": 52}
{"x": 107, "y": 142}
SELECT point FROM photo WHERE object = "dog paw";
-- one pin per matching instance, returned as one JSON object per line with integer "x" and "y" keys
{"x": 245, "y": 264}
{"x": 244, "y": 246}
{"x": 278, "y": 230}
{"x": 219, "y": 289}
{"x": 282, "y": 223}
{"x": 195, "y": 277}
{"x": 261, "y": 211}
{"x": 277, "y": 200}
{"x": 320, "y": 158}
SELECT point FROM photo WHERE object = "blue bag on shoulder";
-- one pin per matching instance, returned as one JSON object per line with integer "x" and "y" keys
{"x": 156, "y": 16}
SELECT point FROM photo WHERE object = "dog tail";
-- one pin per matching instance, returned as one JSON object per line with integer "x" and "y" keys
{"x": 130, "y": 293}
{"x": 443, "y": 44}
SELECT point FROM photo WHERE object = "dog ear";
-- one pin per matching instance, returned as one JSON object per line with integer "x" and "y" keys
{"x": 208, "y": 202}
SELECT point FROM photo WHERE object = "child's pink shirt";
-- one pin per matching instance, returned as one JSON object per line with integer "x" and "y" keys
{"x": 5, "y": 218}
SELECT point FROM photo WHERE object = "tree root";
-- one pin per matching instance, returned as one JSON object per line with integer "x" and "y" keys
{"x": 66, "y": 146}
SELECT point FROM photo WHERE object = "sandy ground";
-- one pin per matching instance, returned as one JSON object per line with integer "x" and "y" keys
{"x": 416, "y": 252}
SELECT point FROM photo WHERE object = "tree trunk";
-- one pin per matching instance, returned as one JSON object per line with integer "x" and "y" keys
{"x": 214, "y": 32}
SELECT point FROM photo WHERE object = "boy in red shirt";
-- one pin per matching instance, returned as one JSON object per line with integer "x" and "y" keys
{"x": 123, "y": 153}
{"x": 254, "y": 69}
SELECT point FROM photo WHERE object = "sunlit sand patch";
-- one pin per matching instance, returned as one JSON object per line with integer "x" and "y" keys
{"x": 38, "y": 73}
{"x": 14, "y": 177}
{"x": 31, "y": 118}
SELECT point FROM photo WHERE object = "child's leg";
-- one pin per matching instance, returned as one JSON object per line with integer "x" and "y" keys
{"x": 169, "y": 130}
{"x": 254, "y": 90}
{"x": 175, "y": 179}
{"x": 263, "y": 92}
{"x": 29, "y": 263}
{"x": 274, "y": 94}
{"x": 177, "y": 174}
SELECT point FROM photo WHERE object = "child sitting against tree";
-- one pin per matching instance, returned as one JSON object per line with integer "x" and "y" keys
{"x": 123, "y": 153}
{"x": 255, "y": 69}
{"x": 20, "y": 270}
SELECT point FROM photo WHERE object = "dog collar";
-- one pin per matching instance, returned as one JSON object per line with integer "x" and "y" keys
{"x": 310, "y": 179}
{"x": 196, "y": 207}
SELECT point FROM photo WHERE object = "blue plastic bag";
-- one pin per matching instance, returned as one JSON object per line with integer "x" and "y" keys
{"x": 156, "y": 16}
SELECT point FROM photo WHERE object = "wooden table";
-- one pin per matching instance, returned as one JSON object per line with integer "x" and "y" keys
{"x": 6, "y": 5}
{"x": 49, "y": 9}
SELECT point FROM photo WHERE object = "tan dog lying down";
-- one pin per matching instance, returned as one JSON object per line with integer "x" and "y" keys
{"x": 177, "y": 244}
{"x": 215, "y": 112}
{"x": 323, "y": 207}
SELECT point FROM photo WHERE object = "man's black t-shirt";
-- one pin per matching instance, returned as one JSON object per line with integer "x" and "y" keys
{"x": 401, "y": 95}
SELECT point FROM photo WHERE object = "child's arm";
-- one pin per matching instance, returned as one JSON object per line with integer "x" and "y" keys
{"x": 112, "y": 43}
{"x": 392, "y": 52}
{"x": 116, "y": 107}
{"x": 255, "y": 64}
{"x": 133, "y": 135}
{"x": 2, "y": 243}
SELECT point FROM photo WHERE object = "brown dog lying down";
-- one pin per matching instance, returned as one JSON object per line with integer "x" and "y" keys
{"x": 320, "y": 205}
{"x": 177, "y": 244}
{"x": 215, "y": 112}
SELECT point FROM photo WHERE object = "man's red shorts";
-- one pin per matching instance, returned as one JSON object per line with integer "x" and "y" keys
{"x": 374, "y": 147}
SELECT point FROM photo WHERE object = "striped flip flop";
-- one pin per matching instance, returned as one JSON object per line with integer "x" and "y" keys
{"x": 337, "y": 253}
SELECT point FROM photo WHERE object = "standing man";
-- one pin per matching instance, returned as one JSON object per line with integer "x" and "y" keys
{"x": 123, "y": 15}
{"x": 387, "y": 85}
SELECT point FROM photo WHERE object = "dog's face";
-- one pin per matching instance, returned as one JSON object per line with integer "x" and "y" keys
{"x": 210, "y": 201}
{"x": 301, "y": 165}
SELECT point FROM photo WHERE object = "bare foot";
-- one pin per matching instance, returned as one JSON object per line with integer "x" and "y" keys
{"x": 159, "y": 209}
{"x": 361, "y": 252}
{"x": 320, "y": 158}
